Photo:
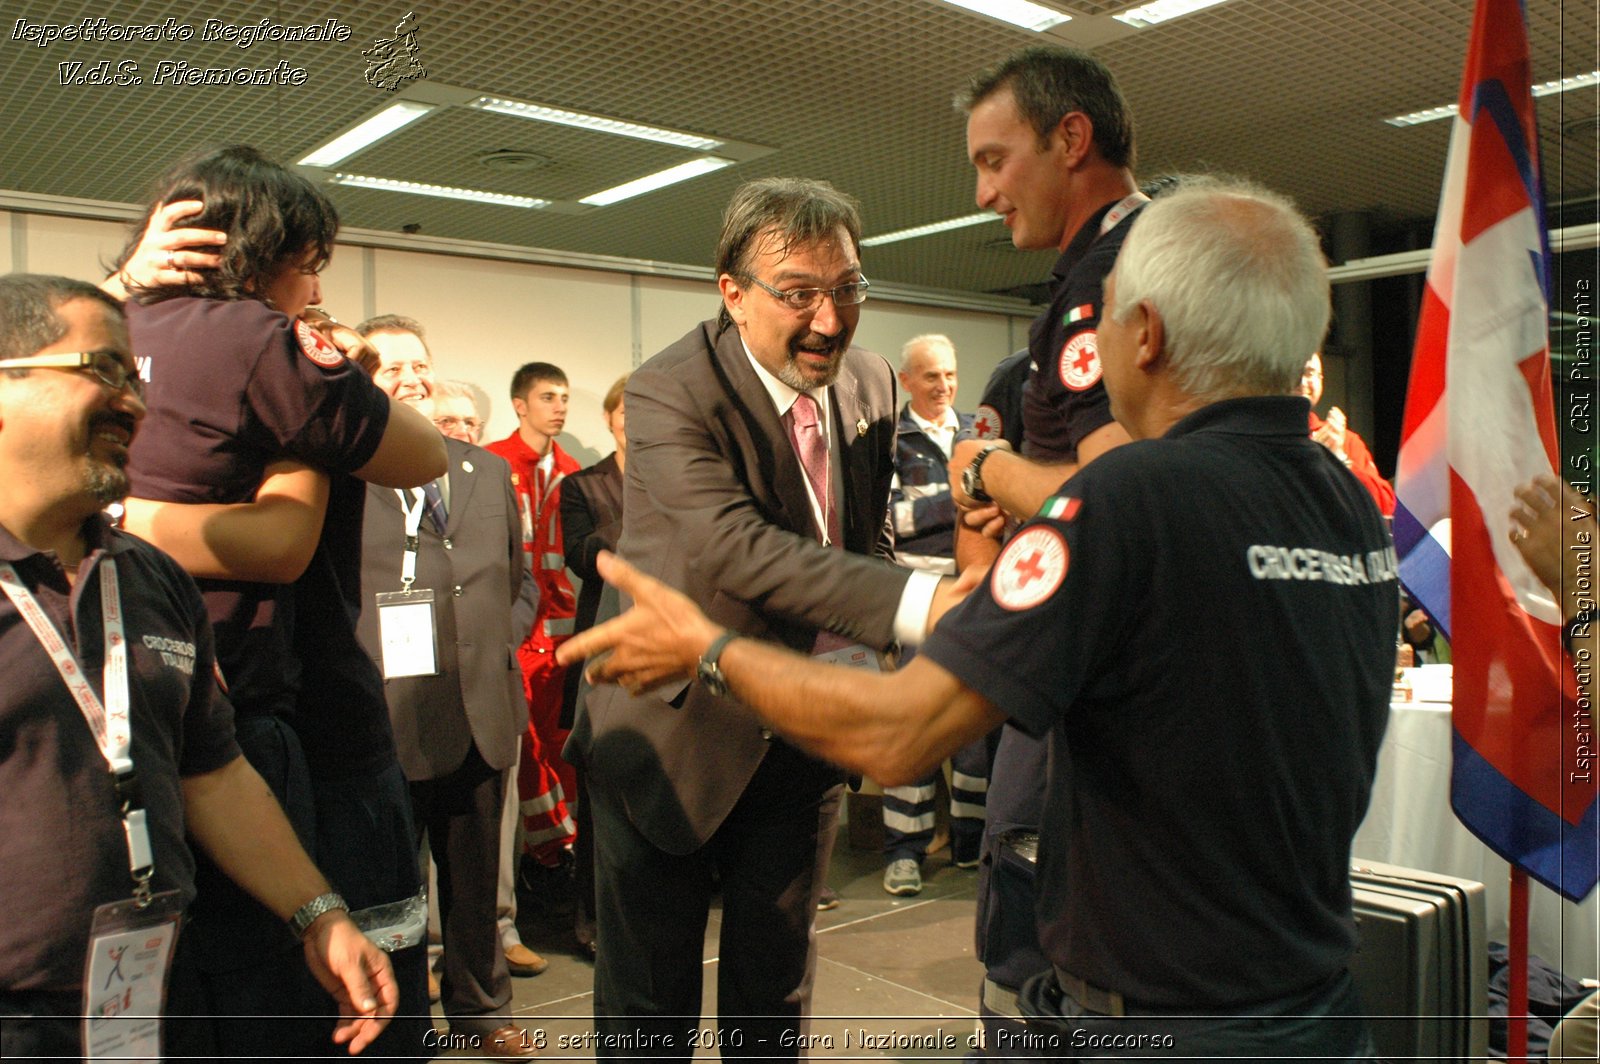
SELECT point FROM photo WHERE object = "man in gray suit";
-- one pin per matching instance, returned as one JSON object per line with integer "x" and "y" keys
{"x": 457, "y": 719}
{"x": 760, "y": 450}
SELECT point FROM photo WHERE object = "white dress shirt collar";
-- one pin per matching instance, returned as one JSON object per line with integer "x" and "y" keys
{"x": 941, "y": 432}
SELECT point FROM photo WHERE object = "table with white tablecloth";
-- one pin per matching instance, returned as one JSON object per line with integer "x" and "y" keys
{"x": 1410, "y": 823}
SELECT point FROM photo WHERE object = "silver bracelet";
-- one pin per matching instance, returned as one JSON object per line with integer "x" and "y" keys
{"x": 307, "y": 914}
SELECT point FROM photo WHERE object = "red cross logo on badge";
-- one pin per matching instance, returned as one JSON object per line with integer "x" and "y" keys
{"x": 1080, "y": 361}
{"x": 314, "y": 347}
{"x": 1030, "y": 569}
{"x": 986, "y": 424}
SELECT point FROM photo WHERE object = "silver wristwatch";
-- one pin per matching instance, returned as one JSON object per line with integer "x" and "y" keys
{"x": 307, "y": 913}
{"x": 972, "y": 476}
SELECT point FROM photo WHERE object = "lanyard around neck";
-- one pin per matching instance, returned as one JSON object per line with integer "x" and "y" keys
{"x": 408, "y": 560}
{"x": 110, "y": 723}
{"x": 1126, "y": 206}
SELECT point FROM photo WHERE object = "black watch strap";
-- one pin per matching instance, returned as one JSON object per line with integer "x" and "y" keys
{"x": 709, "y": 671}
{"x": 972, "y": 476}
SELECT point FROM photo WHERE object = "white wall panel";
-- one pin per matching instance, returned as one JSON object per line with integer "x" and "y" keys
{"x": 8, "y": 234}
{"x": 72, "y": 247}
{"x": 484, "y": 319}
{"x": 669, "y": 308}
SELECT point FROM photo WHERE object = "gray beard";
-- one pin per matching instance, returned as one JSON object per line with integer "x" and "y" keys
{"x": 107, "y": 485}
{"x": 789, "y": 373}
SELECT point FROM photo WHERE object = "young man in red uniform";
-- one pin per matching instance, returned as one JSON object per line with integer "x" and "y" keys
{"x": 538, "y": 465}
{"x": 1335, "y": 434}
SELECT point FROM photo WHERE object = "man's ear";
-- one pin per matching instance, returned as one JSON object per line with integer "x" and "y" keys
{"x": 1075, "y": 134}
{"x": 519, "y": 407}
{"x": 732, "y": 297}
{"x": 1151, "y": 334}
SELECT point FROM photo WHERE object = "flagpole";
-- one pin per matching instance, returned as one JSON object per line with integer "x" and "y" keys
{"x": 1517, "y": 1006}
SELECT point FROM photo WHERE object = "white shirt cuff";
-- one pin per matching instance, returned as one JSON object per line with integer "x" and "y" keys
{"x": 916, "y": 602}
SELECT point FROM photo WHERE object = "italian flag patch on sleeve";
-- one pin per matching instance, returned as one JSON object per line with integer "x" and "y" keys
{"x": 1060, "y": 508}
{"x": 1077, "y": 314}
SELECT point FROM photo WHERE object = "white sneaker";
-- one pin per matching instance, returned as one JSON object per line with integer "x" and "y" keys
{"x": 903, "y": 878}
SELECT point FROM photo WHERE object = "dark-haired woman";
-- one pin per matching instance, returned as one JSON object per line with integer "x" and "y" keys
{"x": 236, "y": 381}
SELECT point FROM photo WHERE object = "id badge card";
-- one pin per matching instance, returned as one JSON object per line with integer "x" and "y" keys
{"x": 407, "y": 633}
{"x": 850, "y": 655}
{"x": 125, "y": 976}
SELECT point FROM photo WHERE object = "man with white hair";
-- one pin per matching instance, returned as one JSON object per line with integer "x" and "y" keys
{"x": 456, "y": 406}
{"x": 1201, "y": 621}
{"x": 924, "y": 518}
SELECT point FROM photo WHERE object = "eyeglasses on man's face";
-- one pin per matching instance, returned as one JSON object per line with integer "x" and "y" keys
{"x": 804, "y": 299}
{"x": 106, "y": 366}
{"x": 446, "y": 423}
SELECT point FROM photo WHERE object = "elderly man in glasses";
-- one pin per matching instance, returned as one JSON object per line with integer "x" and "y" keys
{"x": 760, "y": 450}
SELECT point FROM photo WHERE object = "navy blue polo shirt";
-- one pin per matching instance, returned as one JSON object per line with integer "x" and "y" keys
{"x": 1064, "y": 399}
{"x": 62, "y": 849}
{"x": 1204, "y": 629}
{"x": 232, "y": 386}
{"x": 999, "y": 414}
{"x": 342, "y": 716}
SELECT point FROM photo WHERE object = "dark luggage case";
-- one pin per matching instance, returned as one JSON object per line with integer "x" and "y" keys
{"x": 1422, "y": 965}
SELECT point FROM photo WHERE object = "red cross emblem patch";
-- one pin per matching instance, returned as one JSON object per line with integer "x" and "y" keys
{"x": 1030, "y": 569}
{"x": 986, "y": 424}
{"x": 317, "y": 349}
{"x": 1080, "y": 361}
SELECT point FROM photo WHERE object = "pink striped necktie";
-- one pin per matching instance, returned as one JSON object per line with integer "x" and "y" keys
{"x": 805, "y": 432}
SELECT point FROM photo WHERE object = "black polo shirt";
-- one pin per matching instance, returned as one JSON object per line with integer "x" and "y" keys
{"x": 62, "y": 849}
{"x": 999, "y": 414}
{"x": 232, "y": 386}
{"x": 1205, "y": 630}
{"x": 1064, "y": 399}
{"x": 342, "y": 716}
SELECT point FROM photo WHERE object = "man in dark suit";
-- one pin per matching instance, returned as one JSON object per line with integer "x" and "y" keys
{"x": 458, "y": 722}
{"x": 591, "y": 521}
{"x": 760, "y": 451}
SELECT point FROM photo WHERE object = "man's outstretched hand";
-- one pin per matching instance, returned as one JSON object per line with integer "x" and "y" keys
{"x": 660, "y": 639}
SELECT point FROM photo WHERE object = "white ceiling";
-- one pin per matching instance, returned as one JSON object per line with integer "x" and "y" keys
{"x": 1290, "y": 92}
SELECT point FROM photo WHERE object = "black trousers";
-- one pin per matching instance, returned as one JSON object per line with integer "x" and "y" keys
{"x": 769, "y": 859}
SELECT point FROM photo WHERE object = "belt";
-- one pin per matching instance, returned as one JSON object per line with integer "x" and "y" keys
{"x": 1000, "y": 1000}
{"x": 1091, "y": 997}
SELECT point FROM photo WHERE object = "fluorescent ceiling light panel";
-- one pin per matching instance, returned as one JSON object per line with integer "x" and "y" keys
{"x": 1029, "y": 16}
{"x": 1577, "y": 81}
{"x": 1547, "y": 88}
{"x": 540, "y": 113}
{"x": 930, "y": 229}
{"x": 417, "y": 188}
{"x": 1161, "y": 11}
{"x": 660, "y": 179}
{"x": 1416, "y": 118}
{"x": 374, "y": 129}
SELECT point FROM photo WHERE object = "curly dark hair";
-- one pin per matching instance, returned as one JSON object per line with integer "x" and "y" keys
{"x": 271, "y": 214}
